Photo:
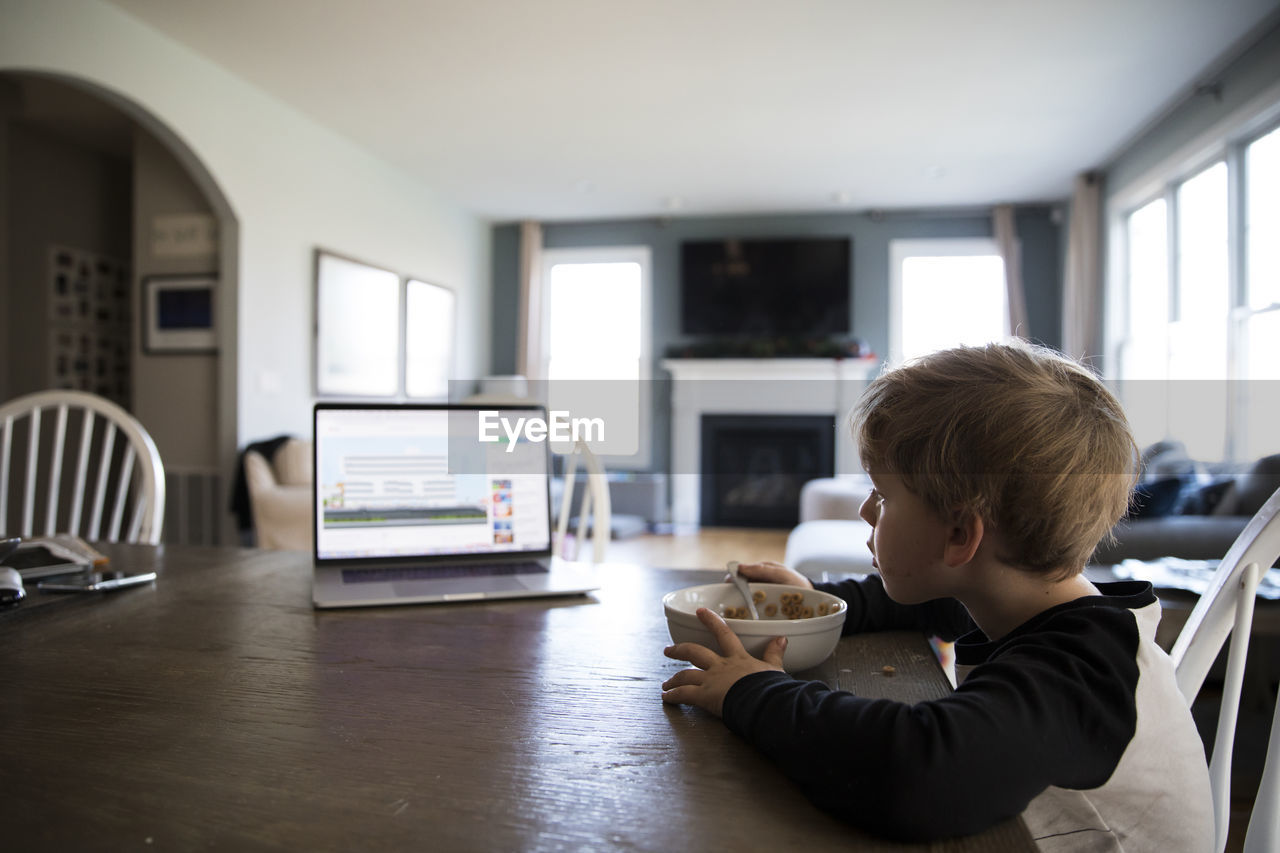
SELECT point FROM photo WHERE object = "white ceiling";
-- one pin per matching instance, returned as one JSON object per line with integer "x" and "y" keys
{"x": 587, "y": 109}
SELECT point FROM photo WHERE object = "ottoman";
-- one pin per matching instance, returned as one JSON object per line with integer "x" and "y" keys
{"x": 836, "y": 546}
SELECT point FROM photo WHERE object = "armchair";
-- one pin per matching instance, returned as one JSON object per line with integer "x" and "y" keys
{"x": 280, "y": 496}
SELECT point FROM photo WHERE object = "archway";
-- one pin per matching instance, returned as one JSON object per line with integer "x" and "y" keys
{"x": 187, "y": 400}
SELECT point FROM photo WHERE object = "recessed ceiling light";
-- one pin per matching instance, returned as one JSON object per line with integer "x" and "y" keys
{"x": 840, "y": 197}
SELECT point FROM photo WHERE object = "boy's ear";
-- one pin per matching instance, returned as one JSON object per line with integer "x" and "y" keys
{"x": 963, "y": 538}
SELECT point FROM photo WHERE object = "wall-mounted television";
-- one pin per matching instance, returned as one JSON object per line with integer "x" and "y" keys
{"x": 765, "y": 287}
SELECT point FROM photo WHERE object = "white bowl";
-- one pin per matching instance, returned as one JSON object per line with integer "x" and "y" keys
{"x": 810, "y": 639}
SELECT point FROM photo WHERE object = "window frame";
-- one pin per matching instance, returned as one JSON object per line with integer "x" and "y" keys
{"x": 450, "y": 329}
{"x": 326, "y": 335}
{"x": 1224, "y": 142}
{"x": 934, "y": 247}
{"x": 643, "y": 256}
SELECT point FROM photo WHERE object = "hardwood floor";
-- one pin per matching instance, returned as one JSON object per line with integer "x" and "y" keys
{"x": 707, "y": 548}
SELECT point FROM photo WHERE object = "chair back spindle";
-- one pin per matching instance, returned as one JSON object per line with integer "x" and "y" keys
{"x": 82, "y": 468}
{"x": 55, "y": 471}
{"x": 33, "y": 461}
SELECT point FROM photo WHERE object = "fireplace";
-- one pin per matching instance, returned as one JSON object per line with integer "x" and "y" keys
{"x": 757, "y": 387}
{"x": 753, "y": 466}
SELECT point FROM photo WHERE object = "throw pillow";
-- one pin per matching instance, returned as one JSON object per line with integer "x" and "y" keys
{"x": 1257, "y": 484}
{"x": 1155, "y": 499}
{"x": 1203, "y": 499}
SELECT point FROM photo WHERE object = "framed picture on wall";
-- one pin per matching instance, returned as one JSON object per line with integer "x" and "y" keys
{"x": 357, "y": 328}
{"x": 381, "y": 334}
{"x": 429, "y": 318}
{"x": 178, "y": 314}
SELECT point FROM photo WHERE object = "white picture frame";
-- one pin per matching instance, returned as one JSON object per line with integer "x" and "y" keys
{"x": 358, "y": 328}
{"x": 430, "y": 320}
{"x": 179, "y": 314}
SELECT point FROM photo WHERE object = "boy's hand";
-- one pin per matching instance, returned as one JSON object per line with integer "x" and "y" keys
{"x": 770, "y": 572}
{"x": 707, "y": 685}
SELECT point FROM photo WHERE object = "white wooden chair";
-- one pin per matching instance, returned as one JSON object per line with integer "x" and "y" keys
{"x": 595, "y": 505}
{"x": 80, "y": 430}
{"x": 1227, "y": 608}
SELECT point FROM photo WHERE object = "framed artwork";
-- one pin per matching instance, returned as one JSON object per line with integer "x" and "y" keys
{"x": 429, "y": 318}
{"x": 357, "y": 328}
{"x": 89, "y": 323}
{"x": 178, "y": 315}
{"x": 380, "y": 334}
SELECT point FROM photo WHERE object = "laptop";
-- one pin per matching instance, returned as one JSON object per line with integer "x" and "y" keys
{"x": 433, "y": 503}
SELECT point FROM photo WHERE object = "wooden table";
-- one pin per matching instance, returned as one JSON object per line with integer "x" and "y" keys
{"x": 218, "y": 710}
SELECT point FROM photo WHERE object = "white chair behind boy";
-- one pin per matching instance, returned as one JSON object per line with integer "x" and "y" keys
{"x": 1227, "y": 608}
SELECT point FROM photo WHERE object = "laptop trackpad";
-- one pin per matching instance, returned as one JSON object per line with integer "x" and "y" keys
{"x": 451, "y": 586}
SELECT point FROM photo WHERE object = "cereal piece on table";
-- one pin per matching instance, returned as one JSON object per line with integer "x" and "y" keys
{"x": 887, "y": 670}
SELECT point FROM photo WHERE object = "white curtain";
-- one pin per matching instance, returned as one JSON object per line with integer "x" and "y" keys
{"x": 529, "y": 323}
{"x": 1007, "y": 242}
{"x": 1082, "y": 284}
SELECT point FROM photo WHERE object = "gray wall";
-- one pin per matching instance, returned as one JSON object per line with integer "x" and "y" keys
{"x": 175, "y": 394}
{"x": 57, "y": 193}
{"x": 1039, "y": 231}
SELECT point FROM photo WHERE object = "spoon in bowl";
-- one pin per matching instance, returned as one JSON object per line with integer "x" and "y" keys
{"x": 741, "y": 583}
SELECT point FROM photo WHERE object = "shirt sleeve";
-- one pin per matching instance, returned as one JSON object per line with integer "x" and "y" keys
{"x": 871, "y": 609}
{"x": 1056, "y": 708}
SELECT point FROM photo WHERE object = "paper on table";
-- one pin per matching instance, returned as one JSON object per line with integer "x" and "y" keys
{"x": 1191, "y": 575}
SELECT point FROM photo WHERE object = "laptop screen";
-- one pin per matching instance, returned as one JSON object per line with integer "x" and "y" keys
{"x": 413, "y": 481}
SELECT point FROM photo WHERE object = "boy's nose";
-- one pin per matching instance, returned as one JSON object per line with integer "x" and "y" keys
{"x": 870, "y": 510}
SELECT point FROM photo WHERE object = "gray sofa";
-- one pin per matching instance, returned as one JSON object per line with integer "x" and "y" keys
{"x": 1185, "y": 511}
{"x": 1191, "y": 514}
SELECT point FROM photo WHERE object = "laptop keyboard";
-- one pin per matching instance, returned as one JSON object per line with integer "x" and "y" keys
{"x": 429, "y": 573}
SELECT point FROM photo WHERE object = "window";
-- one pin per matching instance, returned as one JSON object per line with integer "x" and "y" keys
{"x": 1178, "y": 321}
{"x": 1262, "y": 222}
{"x": 378, "y": 335}
{"x": 1147, "y": 307}
{"x": 1198, "y": 305}
{"x": 1259, "y": 325}
{"x": 596, "y": 341}
{"x": 429, "y": 316}
{"x": 357, "y": 333}
{"x": 945, "y": 293}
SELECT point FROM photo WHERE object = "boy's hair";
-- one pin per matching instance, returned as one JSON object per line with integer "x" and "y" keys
{"x": 1016, "y": 434}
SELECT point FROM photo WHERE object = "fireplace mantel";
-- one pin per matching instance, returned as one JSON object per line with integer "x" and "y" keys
{"x": 745, "y": 386}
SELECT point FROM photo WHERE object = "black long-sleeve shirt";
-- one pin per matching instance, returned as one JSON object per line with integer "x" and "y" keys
{"x": 1073, "y": 719}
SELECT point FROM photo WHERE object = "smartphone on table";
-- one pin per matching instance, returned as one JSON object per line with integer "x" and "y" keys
{"x": 94, "y": 581}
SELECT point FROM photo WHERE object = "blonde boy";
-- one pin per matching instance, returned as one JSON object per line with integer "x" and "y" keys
{"x": 996, "y": 471}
